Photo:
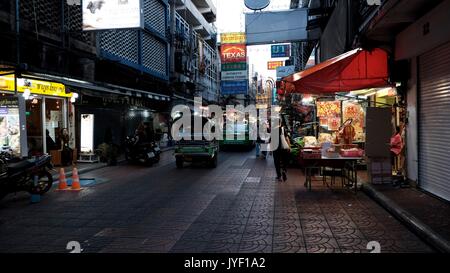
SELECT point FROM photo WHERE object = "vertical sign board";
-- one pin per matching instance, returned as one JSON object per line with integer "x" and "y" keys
{"x": 280, "y": 51}
{"x": 87, "y": 133}
{"x": 233, "y": 55}
{"x": 274, "y": 96}
{"x": 10, "y": 124}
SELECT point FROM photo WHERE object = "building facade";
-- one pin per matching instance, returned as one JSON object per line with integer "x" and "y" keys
{"x": 195, "y": 58}
{"x": 63, "y": 73}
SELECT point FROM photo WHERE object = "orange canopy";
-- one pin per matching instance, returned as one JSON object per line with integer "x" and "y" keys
{"x": 353, "y": 70}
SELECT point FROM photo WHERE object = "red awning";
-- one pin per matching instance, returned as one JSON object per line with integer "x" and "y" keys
{"x": 353, "y": 70}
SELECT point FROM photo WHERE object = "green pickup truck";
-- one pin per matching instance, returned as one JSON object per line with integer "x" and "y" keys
{"x": 196, "y": 150}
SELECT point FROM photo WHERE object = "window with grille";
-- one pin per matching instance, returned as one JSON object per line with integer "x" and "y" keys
{"x": 154, "y": 54}
{"x": 120, "y": 43}
{"x": 155, "y": 15}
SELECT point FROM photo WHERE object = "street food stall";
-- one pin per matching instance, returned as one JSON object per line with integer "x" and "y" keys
{"x": 338, "y": 141}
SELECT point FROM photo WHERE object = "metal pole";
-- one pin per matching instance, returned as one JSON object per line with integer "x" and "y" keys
{"x": 17, "y": 32}
{"x": 43, "y": 126}
{"x": 17, "y": 46}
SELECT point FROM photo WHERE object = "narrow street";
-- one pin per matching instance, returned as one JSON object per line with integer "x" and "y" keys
{"x": 237, "y": 207}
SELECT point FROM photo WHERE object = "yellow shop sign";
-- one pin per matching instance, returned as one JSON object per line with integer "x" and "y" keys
{"x": 233, "y": 38}
{"x": 37, "y": 87}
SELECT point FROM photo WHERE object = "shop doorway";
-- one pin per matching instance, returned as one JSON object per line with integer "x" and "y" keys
{"x": 54, "y": 123}
{"x": 44, "y": 120}
{"x": 34, "y": 126}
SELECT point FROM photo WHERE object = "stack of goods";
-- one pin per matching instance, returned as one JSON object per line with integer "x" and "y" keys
{"x": 324, "y": 137}
{"x": 352, "y": 152}
{"x": 310, "y": 141}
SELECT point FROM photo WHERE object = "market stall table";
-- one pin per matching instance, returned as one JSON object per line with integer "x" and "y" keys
{"x": 346, "y": 164}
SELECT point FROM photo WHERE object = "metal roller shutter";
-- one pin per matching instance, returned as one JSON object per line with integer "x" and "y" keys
{"x": 434, "y": 121}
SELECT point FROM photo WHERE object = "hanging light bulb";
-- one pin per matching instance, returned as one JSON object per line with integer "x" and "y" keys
{"x": 26, "y": 93}
{"x": 74, "y": 97}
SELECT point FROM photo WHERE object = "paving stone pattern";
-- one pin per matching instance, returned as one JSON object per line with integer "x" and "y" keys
{"x": 237, "y": 207}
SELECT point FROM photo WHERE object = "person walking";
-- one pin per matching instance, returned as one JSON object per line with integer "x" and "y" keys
{"x": 280, "y": 153}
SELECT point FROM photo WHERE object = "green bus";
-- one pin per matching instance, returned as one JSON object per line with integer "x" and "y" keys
{"x": 240, "y": 132}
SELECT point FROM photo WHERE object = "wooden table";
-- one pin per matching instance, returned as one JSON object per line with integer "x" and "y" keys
{"x": 347, "y": 164}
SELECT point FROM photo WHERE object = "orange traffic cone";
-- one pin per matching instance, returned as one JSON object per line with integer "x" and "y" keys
{"x": 75, "y": 180}
{"x": 62, "y": 180}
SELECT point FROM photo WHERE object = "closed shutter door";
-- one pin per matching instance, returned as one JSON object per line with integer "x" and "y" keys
{"x": 434, "y": 121}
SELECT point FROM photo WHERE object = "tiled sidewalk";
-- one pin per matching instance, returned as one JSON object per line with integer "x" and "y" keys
{"x": 237, "y": 207}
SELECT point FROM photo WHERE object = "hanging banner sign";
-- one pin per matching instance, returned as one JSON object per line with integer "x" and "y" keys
{"x": 278, "y": 51}
{"x": 233, "y": 53}
{"x": 233, "y": 38}
{"x": 112, "y": 14}
{"x": 328, "y": 108}
{"x": 284, "y": 71}
{"x": 272, "y": 65}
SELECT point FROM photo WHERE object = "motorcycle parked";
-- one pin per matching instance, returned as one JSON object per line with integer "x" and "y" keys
{"x": 31, "y": 175}
{"x": 147, "y": 152}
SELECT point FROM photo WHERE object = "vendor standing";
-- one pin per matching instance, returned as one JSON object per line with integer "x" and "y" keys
{"x": 396, "y": 145}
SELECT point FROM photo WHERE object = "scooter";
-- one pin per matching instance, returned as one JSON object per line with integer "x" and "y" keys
{"x": 30, "y": 175}
{"x": 147, "y": 153}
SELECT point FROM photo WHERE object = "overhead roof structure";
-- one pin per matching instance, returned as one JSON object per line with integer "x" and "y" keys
{"x": 353, "y": 70}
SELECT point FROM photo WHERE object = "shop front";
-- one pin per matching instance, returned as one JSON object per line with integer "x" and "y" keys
{"x": 107, "y": 118}
{"x": 346, "y": 124}
{"x": 425, "y": 73}
{"x": 33, "y": 118}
